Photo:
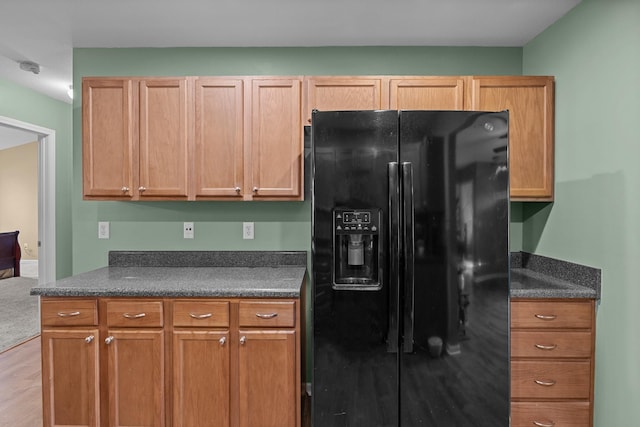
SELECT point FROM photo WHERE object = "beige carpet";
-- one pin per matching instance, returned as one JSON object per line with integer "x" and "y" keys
{"x": 19, "y": 316}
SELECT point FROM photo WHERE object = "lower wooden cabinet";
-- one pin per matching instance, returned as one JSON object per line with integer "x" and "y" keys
{"x": 168, "y": 362}
{"x": 552, "y": 362}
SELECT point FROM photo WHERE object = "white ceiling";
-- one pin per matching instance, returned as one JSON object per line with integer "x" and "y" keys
{"x": 46, "y": 31}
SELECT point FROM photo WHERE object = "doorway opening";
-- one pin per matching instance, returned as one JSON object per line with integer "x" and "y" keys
{"x": 46, "y": 266}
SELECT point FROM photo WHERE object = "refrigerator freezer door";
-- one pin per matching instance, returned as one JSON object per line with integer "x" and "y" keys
{"x": 457, "y": 372}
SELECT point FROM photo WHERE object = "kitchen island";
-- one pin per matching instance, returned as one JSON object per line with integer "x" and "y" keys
{"x": 176, "y": 339}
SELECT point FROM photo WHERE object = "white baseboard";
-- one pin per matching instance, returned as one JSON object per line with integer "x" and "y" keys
{"x": 29, "y": 268}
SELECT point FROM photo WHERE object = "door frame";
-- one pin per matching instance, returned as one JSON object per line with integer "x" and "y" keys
{"x": 46, "y": 196}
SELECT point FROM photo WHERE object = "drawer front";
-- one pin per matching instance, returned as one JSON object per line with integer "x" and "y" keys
{"x": 550, "y": 414}
{"x": 550, "y": 380}
{"x": 205, "y": 314}
{"x": 69, "y": 312}
{"x": 550, "y": 344}
{"x": 552, "y": 314}
{"x": 134, "y": 314}
{"x": 267, "y": 314}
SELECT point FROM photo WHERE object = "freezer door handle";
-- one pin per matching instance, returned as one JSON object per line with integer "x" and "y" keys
{"x": 408, "y": 256}
{"x": 394, "y": 255}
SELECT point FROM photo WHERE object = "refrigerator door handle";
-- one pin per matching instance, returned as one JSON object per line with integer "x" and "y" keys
{"x": 394, "y": 255}
{"x": 408, "y": 256}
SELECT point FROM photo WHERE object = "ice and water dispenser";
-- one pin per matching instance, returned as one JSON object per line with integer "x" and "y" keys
{"x": 356, "y": 252}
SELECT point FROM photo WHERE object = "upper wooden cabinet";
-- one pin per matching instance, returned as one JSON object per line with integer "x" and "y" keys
{"x": 219, "y": 138}
{"x": 276, "y": 141}
{"x": 107, "y": 138}
{"x": 426, "y": 93}
{"x": 192, "y": 138}
{"x": 531, "y": 114}
{"x": 342, "y": 93}
{"x": 164, "y": 144}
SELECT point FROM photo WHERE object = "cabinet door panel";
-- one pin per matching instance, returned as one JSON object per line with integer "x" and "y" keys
{"x": 428, "y": 93}
{"x": 136, "y": 378}
{"x": 342, "y": 93}
{"x": 267, "y": 378}
{"x": 530, "y": 104}
{"x": 107, "y": 138}
{"x": 557, "y": 414}
{"x": 70, "y": 373}
{"x": 163, "y": 138}
{"x": 550, "y": 379}
{"x": 219, "y": 107}
{"x": 201, "y": 379}
{"x": 276, "y": 139}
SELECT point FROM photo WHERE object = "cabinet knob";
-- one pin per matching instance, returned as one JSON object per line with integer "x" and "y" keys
{"x": 546, "y": 316}
{"x": 223, "y": 340}
{"x": 89, "y": 339}
{"x": 546, "y": 383}
{"x": 125, "y": 189}
{"x": 255, "y": 189}
{"x": 266, "y": 315}
{"x": 546, "y": 347}
{"x": 238, "y": 189}
{"x": 133, "y": 316}
{"x": 200, "y": 316}
{"x": 243, "y": 340}
{"x": 141, "y": 189}
{"x": 108, "y": 340}
{"x": 68, "y": 314}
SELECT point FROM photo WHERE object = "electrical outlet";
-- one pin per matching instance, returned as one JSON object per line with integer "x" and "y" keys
{"x": 103, "y": 230}
{"x": 247, "y": 230}
{"x": 188, "y": 230}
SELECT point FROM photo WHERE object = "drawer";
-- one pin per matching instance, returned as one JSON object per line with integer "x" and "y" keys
{"x": 550, "y": 380}
{"x": 551, "y": 314}
{"x": 55, "y": 312}
{"x": 550, "y": 414}
{"x": 205, "y": 314}
{"x": 550, "y": 344}
{"x": 267, "y": 313}
{"x": 134, "y": 314}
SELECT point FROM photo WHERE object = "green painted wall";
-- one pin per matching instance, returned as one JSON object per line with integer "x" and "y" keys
{"x": 594, "y": 54}
{"x": 20, "y": 103}
{"x": 279, "y": 226}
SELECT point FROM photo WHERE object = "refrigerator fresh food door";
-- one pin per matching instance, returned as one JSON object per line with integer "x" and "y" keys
{"x": 454, "y": 369}
{"x": 355, "y": 380}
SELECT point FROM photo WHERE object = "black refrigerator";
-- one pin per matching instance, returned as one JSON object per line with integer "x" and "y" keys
{"x": 410, "y": 261}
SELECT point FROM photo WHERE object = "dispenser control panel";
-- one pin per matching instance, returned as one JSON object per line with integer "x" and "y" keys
{"x": 360, "y": 221}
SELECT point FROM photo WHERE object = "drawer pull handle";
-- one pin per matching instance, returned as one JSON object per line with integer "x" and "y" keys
{"x": 70, "y": 314}
{"x": 133, "y": 316}
{"x": 108, "y": 340}
{"x": 200, "y": 316}
{"x": 89, "y": 339}
{"x": 546, "y": 316}
{"x": 546, "y": 383}
{"x": 266, "y": 315}
{"x": 541, "y": 424}
{"x": 546, "y": 347}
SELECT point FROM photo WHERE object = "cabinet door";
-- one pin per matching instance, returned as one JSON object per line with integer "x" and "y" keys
{"x": 426, "y": 93}
{"x": 107, "y": 138}
{"x": 530, "y": 104}
{"x": 276, "y": 139}
{"x": 342, "y": 93}
{"x": 70, "y": 373}
{"x": 201, "y": 394}
{"x": 164, "y": 147}
{"x": 136, "y": 378}
{"x": 268, "y": 389}
{"x": 219, "y": 118}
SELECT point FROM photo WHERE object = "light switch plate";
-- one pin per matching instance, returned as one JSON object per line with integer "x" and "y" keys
{"x": 103, "y": 229}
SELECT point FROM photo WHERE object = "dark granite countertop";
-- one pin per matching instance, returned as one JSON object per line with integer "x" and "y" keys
{"x": 536, "y": 276}
{"x": 188, "y": 274}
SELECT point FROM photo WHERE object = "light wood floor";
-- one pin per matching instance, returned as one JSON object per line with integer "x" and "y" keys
{"x": 20, "y": 385}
